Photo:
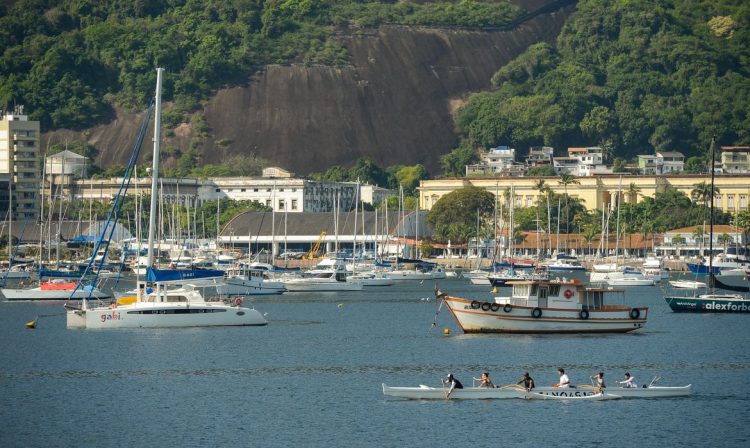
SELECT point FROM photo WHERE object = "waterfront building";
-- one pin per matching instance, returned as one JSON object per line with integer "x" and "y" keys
{"x": 663, "y": 162}
{"x": 595, "y": 192}
{"x": 299, "y": 232}
{"x": 19, "y": 158}
{"x": 694, "y": 240}
{"x": 499, "y": 160}
{"x": 735, "y": 159}
{"x": 373, "y": 194}
{"x": 4, "y": 194}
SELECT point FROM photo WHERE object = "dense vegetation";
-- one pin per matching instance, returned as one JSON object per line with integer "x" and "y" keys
{"x": 454, "y": 215}
{"x": 365, "y": 170}
{"x": 71, "y": 61}
{"x": 630, "y": 76}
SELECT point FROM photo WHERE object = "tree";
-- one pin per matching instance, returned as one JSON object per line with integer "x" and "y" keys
{"x": 454, "y": 163}
{"x": 725, "y": 239}
{"x": 633, "y": 192}
{"x": 678, "y": 239}
{"x": 408, "y": 176}
{"x": 702, "y": 192}
{"x": 454, "y": 215}
{"x": 541, "y": 171}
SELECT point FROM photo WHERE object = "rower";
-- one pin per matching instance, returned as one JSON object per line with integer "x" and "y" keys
{"x": 599, "y": 380}
{"x": 527, "y": 382}
{"x": 454, "y": 384}
{"x": 564, "y": 380}
{"x": 628, "y": 382}
{"x": 485, "y": 380}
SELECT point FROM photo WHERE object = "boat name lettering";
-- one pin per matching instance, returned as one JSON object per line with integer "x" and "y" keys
{"x": 110, "y": 316}
{"x": 568, "y": 394}
{"x": 725, "y": 307}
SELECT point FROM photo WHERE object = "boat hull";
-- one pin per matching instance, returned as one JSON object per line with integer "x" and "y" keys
{"x": 520, "y": 319}
{"x": 38, "y": 294}
{"x": 707, "y": 305}
{"x": 484, "y": 393}
{"x": 241, "y": 287}
{"x": 160, "y": 315}
{"x": 305, "y": 286}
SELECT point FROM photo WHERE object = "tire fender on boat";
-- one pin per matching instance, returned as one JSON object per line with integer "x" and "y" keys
{"x": 486, "y": 306}
{"x": 237, "y": 301}
{"x": 635, "y": 313}
{"x": 475, "y": 305}
{"x": 584, "y": 314}
{"x": 495, "y": 307}
{"x": 536, "y": 313}
{"x": 568, "y": 293}
{"x": 508, "y": 307}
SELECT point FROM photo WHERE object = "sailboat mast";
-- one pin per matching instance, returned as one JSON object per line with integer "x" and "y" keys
{"x": 711, "y": 222}
{"x": 155, "y": 170}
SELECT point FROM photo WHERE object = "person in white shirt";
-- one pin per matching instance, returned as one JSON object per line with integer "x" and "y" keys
{"x": 628, "y": 382}
{"x": 564, "y": 380}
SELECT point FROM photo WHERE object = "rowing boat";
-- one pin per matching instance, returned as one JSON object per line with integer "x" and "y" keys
{"x": 592, "y": 397}
{"x": 482, "y": 393}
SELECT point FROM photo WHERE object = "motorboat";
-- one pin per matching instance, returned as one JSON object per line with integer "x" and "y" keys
{"x": 687, "y": 284}
{"x": 245, "y": 280}
{"x": 654, "y": 268}
{"x": 631, "y": 280}
{"x": 546, "y": 306}
{"x": 564, "y": 264}
{"x": 437, "y": 273}
{"x": 372, "y": 278}
{"x": 324, "y": 280}
{"x": 56, "y": 289}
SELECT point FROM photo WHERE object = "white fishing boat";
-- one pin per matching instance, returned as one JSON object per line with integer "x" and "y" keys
{"x": 506, "y": 392}
{"x": 687, "y": 284}
{"x": 545, "y": 306}
{"x": 56, "y": 289}
{"x": 246, "y": 281}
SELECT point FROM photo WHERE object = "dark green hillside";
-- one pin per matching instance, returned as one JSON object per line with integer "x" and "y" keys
{"x": 631, "y": 76}
{"x": 72, "y": 61}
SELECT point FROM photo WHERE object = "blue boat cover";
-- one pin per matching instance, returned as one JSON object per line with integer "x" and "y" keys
{"x": 168, "y": 275}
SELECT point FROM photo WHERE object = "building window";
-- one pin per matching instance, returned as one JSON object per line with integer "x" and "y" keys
{"x": 281, "y": 204}
{"x": 255, "y": 190}
{"x": 268, "y": 190}
{"x": 294, "y": 204}
{"x": 268, "y": 202}
{"x": 218, "y": 190}
{"x": 730, "y": 201}
{"x": 294, "y": 190}
{"x": 281, "y": 189}
{"x": 743, "y": 201}
{"x": 242, "y": 190}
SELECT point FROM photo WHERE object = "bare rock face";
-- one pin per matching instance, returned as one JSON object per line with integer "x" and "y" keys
{"x": 394, "y": 103}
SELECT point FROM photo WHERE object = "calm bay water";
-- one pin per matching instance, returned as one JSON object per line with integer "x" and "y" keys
{"x": 312, "y": 378}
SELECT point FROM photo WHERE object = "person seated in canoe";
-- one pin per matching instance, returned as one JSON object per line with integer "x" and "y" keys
{"x": 485, "y": 380}
{"x": 564, "y": 380}
{"x": 598, "y": 381}
{"x": 453, "y": 383}
{"x": 628, "y": 382}
{"x": 526, "y": 381}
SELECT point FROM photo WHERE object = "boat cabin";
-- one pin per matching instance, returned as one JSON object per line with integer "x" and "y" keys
{"x": 562, "y": 294}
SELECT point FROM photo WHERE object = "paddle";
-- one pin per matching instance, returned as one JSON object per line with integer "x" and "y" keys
{"x": 445, "y": 393}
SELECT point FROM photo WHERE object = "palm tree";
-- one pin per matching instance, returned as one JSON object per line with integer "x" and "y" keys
{"x": 725, "y": 239}
{"x": 698, "y": 237}
{"x": 633, "y": 192}
{"x": 565, "y": 180}
{"x": 701, "y": 193}
{"x": 589, "y": 233}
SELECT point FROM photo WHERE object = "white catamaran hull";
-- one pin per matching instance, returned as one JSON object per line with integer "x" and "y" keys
{"x": 482, "y": 393}
{"x": 164, "y": 315}
{"x": 498, "y": 318}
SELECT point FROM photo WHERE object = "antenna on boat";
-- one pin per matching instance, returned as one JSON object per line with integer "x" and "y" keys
{"x": 712, "y": 279}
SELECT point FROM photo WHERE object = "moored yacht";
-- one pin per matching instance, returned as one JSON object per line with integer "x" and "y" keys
{"x": 320, "y": 279}
{"x": 245, "y": 280}
{"x": 545, "y": 306}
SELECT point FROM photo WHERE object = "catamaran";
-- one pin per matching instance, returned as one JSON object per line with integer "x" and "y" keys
{"x": 157, "y": 303}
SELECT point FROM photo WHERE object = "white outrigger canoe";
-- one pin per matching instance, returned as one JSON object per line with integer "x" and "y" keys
{"x": 551, "y": 393}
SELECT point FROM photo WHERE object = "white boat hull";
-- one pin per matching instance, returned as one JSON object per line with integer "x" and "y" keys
{"x": 401, "y": 275}
{"x": 164, "y": 315}
{"x": 15, "y": 275}
{"x": 38, "y": 294}
{"x": 483, "y": 393}
{"x": 520, "y": 319}
{"x": 242, "y": 287}
{"x": 307, "y": 285}
{"x": 631, "y": 281}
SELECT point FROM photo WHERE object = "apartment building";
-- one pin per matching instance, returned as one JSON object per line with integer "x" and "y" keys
{"x": 19, "y": 159}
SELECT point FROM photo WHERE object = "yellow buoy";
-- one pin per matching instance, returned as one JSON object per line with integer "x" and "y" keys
{"x": 446, "y": 331}
{"x": 31, "y": 324}
{"x": 340, "y": 305}
{"x": 494, "y": 290}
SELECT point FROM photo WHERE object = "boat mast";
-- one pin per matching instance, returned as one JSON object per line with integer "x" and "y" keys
{"x": 711, "y": 221}
{"x": 155, "y": 170}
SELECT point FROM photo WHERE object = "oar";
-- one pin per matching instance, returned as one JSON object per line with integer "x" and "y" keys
{"x": 445, "y": 393}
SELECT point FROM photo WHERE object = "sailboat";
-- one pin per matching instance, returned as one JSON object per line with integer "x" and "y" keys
{"x": 157, "y": 303}
{"x": 712, "y": 302}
